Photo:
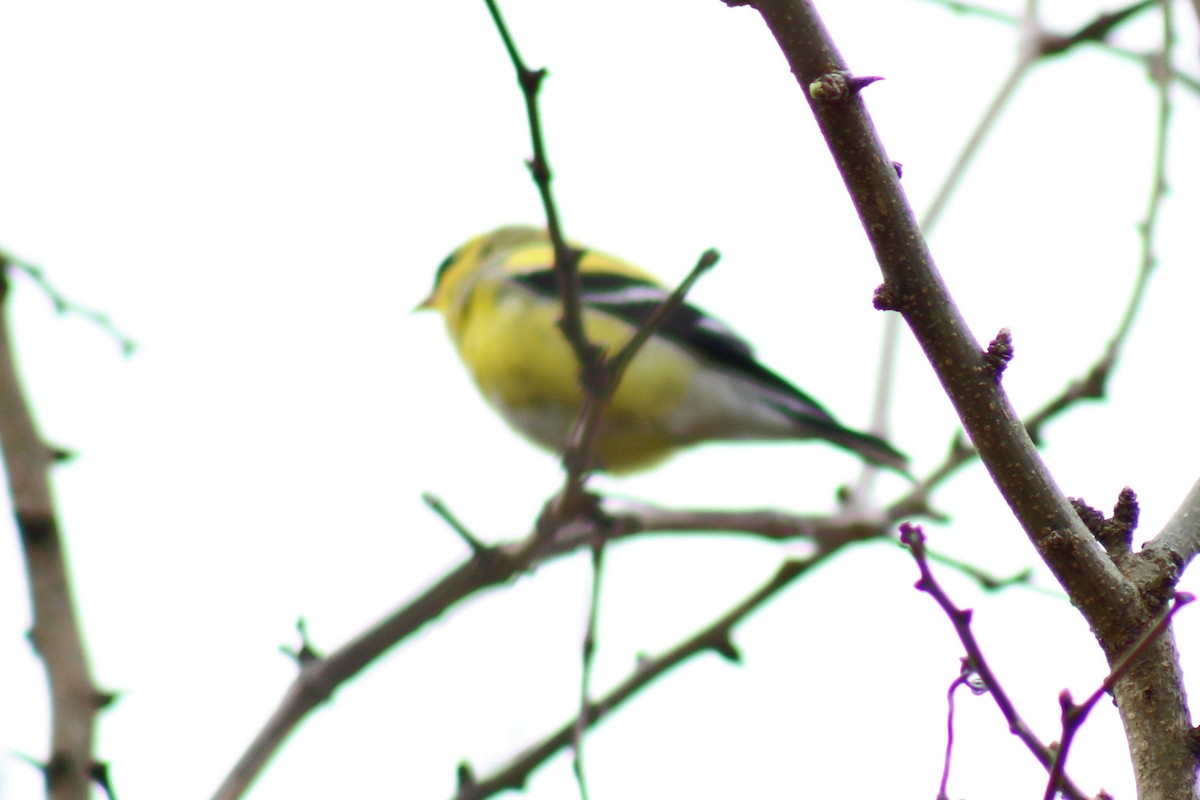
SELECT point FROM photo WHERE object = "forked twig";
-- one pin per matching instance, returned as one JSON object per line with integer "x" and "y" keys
{"x": 1074, "y": 716}
{"x": 912, "y": 536}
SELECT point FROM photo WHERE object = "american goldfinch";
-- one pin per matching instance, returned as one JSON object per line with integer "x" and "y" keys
{"x": 693, "y": 381}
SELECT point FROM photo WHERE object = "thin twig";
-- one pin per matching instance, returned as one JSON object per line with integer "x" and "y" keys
{"x": 581, "y": 444}
{"x": 588, "y": 659}
{"x": 1074, "y": 716}
{"x": 715, "y": 637}
{"x": 599, "y": 377}
{"x": 912, "y": 536}
{"x": 886, "y": 375}
{"x": 566, "y": 258}
{"x": 63, "y": 306}
{"x": 965, "y": 676}
{"x": 1084, "y": 35}
{"x": 436, "y": 505}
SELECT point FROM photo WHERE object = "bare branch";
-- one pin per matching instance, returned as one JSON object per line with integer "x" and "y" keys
{"x": 588, "y": 658}
{"x": 566, "y": 258}
{"x": 56, "y": 633}
{"x": 912, "y": 536}
{"x": 1093, "y": 34}
{"x": 436, "y": 505}
{"x": 966, "y": 677}
{"x": 63, "y": 306}
{"x": 1179, "y": 541}
{"x": 581, "y": 444}
{"x": 1110, "y": 602}
{"x": 1074, "y": 716}
{"x": 716, "y": 637}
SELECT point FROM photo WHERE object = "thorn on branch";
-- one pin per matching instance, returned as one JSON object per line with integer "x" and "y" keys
{"x": 539, "y": 170}
{"x": 999, "y": 352}
{"x": 61, "y": 455}
{"x": 834, "y": 87}
{"x": 1193, "y": 741}
{"x": 857, "y": 84}
{"x": 306, "y": 654}
{"x": 435, "y": 504}
{"x": 465, "y": 776}
{"x": 531, "y": 79}
{"x": 99, "y": 775}
{"x": 727, "y": 650}
{"x": 105, "y": 699}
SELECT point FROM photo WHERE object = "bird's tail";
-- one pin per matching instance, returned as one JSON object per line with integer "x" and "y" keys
{"x": 869, "y": 447}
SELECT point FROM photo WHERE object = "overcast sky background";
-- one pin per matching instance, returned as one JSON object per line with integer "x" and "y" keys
{"x": 258, "y": 193}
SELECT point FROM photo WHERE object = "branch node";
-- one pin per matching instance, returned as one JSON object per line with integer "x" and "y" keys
{"x": 306, "y": 654}
{"x": 1055, "y": 541}
{"x": 1092, "y": 519}
{"x": 727, "y": 650}
{"x": 999, "y": 352}
{"x": 830, "y": 88}
{"x": 105, "y": 699}
{"x": 1125, "y": 513}
{"x": 884, "y": 299}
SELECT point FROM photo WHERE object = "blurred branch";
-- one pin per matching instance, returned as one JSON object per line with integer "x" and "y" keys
{"x": 1094, "y": 383}
{"x": 63, "y": 306}
{"x": 1039, "y": 44}
{"x": 581, "y": 444}
{"x": 716, "y": 637}
{"x": 494, "y": 565}
{"x": 599, "y": 376}
{"x": 1094, "y": 33}
{"x": 56, "y": 633}
{"x": 582, "y": 721}
{"x": 1110, "y": 602}
{"x": 566, "y": 258}
{"x": 912, "y": 536}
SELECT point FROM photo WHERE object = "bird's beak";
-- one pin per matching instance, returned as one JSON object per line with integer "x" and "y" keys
{"x": 424, "y": 305}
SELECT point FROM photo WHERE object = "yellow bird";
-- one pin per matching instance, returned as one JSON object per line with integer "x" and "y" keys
{"x": 693, "y": 381}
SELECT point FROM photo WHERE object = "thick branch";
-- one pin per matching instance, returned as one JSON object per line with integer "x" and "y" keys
{"x": 1179, "y": 540}
{"x": 56, "y": 633}
{"x": 1111, "y": 603}
{"x": 915, "y": 288}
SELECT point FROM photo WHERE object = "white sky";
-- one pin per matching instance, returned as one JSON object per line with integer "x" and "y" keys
{"x": 259, "y": 192}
